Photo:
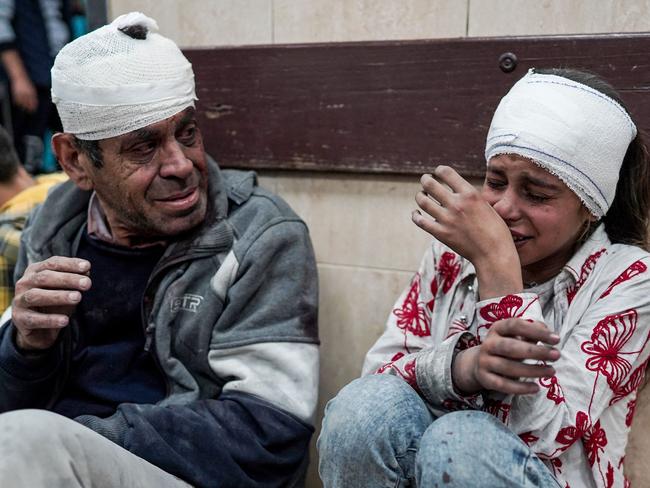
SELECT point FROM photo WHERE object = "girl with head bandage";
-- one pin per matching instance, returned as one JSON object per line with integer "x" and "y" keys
{"x": 523, "y": 335}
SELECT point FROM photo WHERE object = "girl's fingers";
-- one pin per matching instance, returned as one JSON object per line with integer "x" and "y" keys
{"x": 450, "y": 177}
{"x": 495, "y": 382}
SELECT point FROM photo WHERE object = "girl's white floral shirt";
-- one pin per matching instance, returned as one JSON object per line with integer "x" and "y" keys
{"x": 599, "y": 304}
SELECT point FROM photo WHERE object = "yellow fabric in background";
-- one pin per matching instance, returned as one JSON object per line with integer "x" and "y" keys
{"x": 12, "y": 220}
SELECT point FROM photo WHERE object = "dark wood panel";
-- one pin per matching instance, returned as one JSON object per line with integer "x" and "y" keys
{"x": 392, "y": 107}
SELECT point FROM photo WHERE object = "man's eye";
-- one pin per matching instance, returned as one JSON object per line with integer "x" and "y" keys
{"x": 144, "y": 149}
{"x": 187, "y": 135}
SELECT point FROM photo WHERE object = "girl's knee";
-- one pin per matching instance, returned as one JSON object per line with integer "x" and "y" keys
{"x": 468, "y": 448}
{"x": 372, "y": 399}
{"x": 375, "y": 409}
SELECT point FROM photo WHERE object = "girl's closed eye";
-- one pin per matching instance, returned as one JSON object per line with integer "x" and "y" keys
{"x": 537, "y": 197}
{"x": 495, "y": 184}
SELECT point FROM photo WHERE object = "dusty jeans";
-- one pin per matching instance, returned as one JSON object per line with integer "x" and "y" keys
{"x": 40, "y": 449}
{"x": 378, "y": 433}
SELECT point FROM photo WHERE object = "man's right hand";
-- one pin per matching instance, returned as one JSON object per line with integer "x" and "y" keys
{"x": 46, "y": 296}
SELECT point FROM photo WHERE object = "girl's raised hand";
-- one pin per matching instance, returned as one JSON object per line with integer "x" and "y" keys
{"x": 454, "y": 212}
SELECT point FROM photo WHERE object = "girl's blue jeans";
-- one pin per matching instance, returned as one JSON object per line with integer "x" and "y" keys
{"x": 378, "y": 433}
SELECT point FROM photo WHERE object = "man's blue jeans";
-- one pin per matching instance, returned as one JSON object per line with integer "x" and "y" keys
{"x": 378, "y": 433}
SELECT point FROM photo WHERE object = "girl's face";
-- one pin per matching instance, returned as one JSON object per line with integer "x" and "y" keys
{"x": 545, "y": 218}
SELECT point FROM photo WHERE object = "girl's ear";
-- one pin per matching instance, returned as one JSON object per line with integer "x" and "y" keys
{"x": 72, "y": 160}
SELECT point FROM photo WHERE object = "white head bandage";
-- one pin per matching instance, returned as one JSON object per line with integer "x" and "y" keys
{"x": 106, "y": 83}
{"x": 571, "y": 130}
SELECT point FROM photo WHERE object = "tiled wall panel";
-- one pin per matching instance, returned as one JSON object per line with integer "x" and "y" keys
{"x": 545, "y": 17}
{"x": 356, "y": 220}
{"x": 365, "y": 20}
{"x": 207, "y": 22}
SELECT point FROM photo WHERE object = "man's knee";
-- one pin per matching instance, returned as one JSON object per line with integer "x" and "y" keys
{"x": 31, "y": 430}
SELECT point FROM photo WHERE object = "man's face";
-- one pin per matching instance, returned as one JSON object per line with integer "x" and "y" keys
{"x": 153, "y": 183}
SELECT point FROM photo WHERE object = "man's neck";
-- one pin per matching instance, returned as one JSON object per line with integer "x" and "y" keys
{"x": 102, "y": 227}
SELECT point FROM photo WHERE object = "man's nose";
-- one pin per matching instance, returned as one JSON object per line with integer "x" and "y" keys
{"x": 175, "y": 164}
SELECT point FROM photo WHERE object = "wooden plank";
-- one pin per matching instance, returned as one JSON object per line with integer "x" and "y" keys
{"x": 389, "y": 107}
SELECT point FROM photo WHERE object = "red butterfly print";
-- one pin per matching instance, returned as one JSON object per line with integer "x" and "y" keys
{"x": 457, "y": 326}
{"x": 607, "y": 340}
{"x": 631, "y": 407}
{"x": 587, "y": 267}
{"x": 507, "y": 307}
{"x": 632, "y": 384}
{"x": 409, "y": 370}
{"x": 499, "y": 409}
{"x": 434, "y": 291}
{"x": 633, "y": 270}
{"x": 396, "y": 357}
{"x": 411, "y": 316}
{"x": 594, "y": 441}
{"x": 408, "y": 374}
{"x": 610, "y": 476}
{"x": 554, "y": 389}
{"x": 451, "y": 404}
{"x": 556, "y": 463}
{"x": 448, "y": 270}
{"x": 528, "y": 438}
{"x": 568, "y": 435}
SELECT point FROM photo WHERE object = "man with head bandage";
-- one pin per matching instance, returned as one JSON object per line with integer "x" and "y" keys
{"x": 163, "y": 331}
{"x": 515, "y": 355}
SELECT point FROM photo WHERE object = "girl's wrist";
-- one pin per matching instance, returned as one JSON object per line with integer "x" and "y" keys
{"x": 462, "y": 372}
{"x": 499, "y": 278}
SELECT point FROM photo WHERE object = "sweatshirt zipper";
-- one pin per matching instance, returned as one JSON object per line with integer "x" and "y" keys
{"x": 149, "y": 327}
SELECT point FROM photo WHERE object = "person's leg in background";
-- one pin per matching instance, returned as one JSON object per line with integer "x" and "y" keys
{"x": 29, "y": 129}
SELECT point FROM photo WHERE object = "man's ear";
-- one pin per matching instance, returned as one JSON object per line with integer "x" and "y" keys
{"x": 74, "y": 162}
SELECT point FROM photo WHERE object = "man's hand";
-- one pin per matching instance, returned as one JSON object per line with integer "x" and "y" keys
{"x": 46, "y": 296}
{"x": 498, "y": 363}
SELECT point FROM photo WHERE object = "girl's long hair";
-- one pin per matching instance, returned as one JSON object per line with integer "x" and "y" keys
{"x": 627, "y": 219}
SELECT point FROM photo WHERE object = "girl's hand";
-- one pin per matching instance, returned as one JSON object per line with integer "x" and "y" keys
{"x": 466, "y": 223}
{"x": 498, "y": 363}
